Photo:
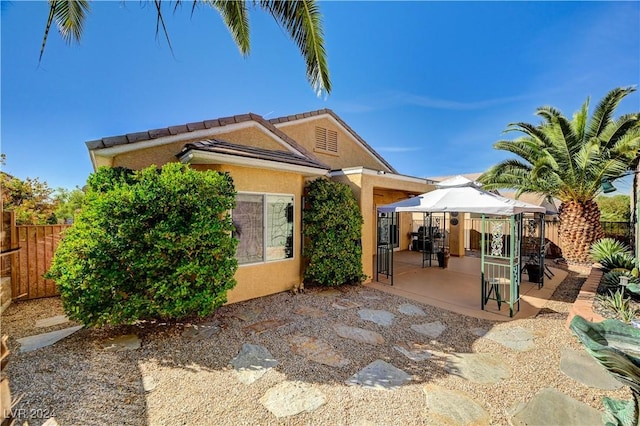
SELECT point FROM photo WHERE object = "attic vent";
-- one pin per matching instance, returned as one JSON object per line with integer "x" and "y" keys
{"x": 326, "y": 140}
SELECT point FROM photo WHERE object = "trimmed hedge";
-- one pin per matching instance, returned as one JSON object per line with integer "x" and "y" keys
{"x": 332, "y": 231}
{"x": 148, "y": 244}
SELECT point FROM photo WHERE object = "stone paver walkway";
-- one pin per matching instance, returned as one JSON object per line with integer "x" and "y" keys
{"x": 581, "y": 366}
{"x": 38, "y": 341}
{"x": 291, "y": 398}
{"x": 430, "y": 329}
{"x": 517, "y": 338}
{"x": 380, "y": 375}
{"x": 382, "y": 318}
{"x": 478, "y": 367}
{"x": 452, "y": 408}
{"x": 252, "y": 363}
{"x": 551, "y": 407}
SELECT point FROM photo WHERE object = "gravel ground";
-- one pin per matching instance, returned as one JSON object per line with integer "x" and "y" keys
{"x": 79, "y": 383}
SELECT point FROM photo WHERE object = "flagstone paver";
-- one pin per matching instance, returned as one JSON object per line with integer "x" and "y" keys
{"x": 517, "y": 338}
{"x": 479, "y": 331}
{"x": 148, "y": 383}
{"x": 51, "y": 321}
{"x": 478, "y": 368}
{"x": 126, "y": 342}
{"x": 270, "y": 324}
{"x": 331, "y": 292}
{"x": 551, "y": 407}
{"x": 249, "y": 314}
{"x": 317, "y": 350}
{"x": 414, "y": 351}
{"x": 453, "y": 408}
{"x": 359, "y": 335}
{"x": 196, "y": 332}
{"x": 252, "y": 362}
{"x": 345, "y": 304}
{"x": 380, "y": 375}
{"x": 38, "y": 341}
{"x": 581, "y": 366}
{"x": 310, "y": 311}
{"x": 413, "y": 310}
{"x": 383, "y": 318}
{"x": 290, "y": 398}
{"x": 430, "y": 329}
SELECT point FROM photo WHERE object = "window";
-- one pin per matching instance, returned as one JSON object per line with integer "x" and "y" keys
{"x": 326, "y": 140}
{"x": 264, "y": 227}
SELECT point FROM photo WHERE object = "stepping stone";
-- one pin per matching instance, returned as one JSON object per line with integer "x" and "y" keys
{"x": 359, "y": 335}
{"x": 345, "y": 304}
{"x": 517, "y": 338}
{"x": 290, "y": 398}
{"x": 332, "y": 292}
{"x": 453, "y": 408}
{"x": 581, "y": 366}
{"x": 126, "y": 342}
{"x": 479, "y": 331}
{"x": 379, "y": 375}
{"x": 262, "y": 326}
{"x": 310, "y": 311}
{"x": 382, "y": 318}
{"x": 148, "y": 383}
{"x": 478, "y": 368}
{"x": 49, "y": 322}
{"x": 252, "y": 362}
{"x": 550, "y": 407}
{"x": 414, "y": 351}
{"x": 431, "y": 329}
{"x": 196, "y": 332}
{"x": 318, "y": 351}
{"x": 249, "y": 314}
{"x": 413, "y": 310}
{"x": 368, "y": 297}
{"x": 31, "y": 343}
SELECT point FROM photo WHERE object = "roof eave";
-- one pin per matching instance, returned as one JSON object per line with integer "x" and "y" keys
{"x": 193, "y": 156}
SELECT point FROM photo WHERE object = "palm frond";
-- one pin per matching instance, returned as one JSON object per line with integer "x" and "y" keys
{"x": 618, "y": 129}
{"x": 235, "y": 16}
{"x": 69, "y": 17}
{"x": 303, "y": 22}
{"x": 579, "y": 122}
{"x": 605, "y": 109}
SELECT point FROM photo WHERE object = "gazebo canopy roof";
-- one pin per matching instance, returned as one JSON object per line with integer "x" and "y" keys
{"x": 460, "y": 194}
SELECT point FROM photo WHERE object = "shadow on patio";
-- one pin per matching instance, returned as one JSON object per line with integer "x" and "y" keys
{"x": 457, "y": 288}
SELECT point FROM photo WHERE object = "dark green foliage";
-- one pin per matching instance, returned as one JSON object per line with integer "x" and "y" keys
{"x": 148, "y": 244}
{"x": 612, "y": 254}
{"x": 615, "y": 208}
{"x": 332, "y": 228}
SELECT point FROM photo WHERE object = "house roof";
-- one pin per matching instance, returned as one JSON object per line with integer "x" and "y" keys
{"x": 319, "y": 112}
{"x": 217, "y": 146}
{"x": 185, "y": 129}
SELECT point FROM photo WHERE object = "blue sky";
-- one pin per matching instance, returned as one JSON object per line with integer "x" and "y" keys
{"x": 430, "y": 85}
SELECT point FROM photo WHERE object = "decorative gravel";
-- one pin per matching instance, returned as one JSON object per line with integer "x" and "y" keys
{"x": 80, "y": 383}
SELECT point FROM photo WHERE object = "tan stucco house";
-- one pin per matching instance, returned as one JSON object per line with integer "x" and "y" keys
{"x": 270, "y": 161}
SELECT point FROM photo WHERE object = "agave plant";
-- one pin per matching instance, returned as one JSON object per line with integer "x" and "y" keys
{"x": 612, "y": 254}
{"x": 615, "y": 346}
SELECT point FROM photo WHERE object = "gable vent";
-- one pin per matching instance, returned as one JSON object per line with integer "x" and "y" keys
{"x": 326, "y": 140}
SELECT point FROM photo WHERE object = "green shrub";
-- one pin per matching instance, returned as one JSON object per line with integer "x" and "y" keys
{"x": 148, "y": 244}
{"x": 617, "y": 303}
{"x": 332, "y": 228}
{"x": 612, "y": 254}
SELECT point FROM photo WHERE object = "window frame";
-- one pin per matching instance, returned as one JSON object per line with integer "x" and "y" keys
{"x": 265, "y": 228}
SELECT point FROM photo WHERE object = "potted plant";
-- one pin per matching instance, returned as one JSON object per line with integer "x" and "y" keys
{"x": 443, "y": 258}
{"x": 533, "y": 269}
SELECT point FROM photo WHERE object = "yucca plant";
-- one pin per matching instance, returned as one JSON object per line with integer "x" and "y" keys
{"x": 617, "y": 303}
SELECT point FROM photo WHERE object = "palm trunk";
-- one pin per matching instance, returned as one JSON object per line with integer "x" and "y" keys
{"x": 579, "y": 228}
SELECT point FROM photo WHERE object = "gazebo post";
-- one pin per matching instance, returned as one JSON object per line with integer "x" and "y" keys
{"x": 482, "y": 250}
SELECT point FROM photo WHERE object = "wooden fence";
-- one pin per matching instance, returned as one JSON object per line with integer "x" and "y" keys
{"x": 37, "y": 245}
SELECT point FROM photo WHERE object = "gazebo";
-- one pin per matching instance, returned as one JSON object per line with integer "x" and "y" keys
{"x": 504, "y": 225}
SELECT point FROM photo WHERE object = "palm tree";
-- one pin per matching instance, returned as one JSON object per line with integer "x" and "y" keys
{"x": 301, "y": 19}
{"x": 568, "y": 159}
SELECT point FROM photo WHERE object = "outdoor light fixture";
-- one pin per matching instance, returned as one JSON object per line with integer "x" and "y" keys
{"x": 607, "y": 186}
